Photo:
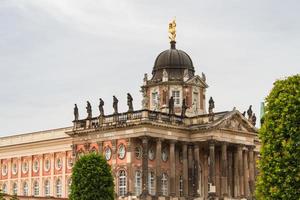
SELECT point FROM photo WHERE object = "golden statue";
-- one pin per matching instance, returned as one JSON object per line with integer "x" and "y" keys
{"x": 172, "y": 30}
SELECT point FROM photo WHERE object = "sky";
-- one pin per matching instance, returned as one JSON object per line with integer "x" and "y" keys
{"x": 54, "y": 53}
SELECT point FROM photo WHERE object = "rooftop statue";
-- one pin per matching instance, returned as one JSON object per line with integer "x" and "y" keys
{"x": 115, "y": 104}
{"x": 183, "y": 108}
{"x": 253, "y": 119}
{"x": 211, "y": 105}
{"x": 172, "y": 30}
{"x": 129, "y": 102}
{"x": 89, "y": 110}
{"x": 249, "y": 113}
{"x": 171, "y": 106}
{"x": 101, "y": 109}
{"x": 76, "y": 114}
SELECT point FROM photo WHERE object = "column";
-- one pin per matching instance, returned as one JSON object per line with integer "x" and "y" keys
{"x": 246, "y": 174}
{"x": 52, "y": 160}
{"x": 100, "y": 147}
{"x": 158, "y": 167}
{"x": 145, "y": 168}
{"x": 129, "y": 167}
{"x": 241, "y": 171}
{"x": 212, "y": 168}
{"x": 224, "y": 169}
{"x": 197, "y": 174}
{"x": 173, "y": 169}
{"x": 230, "y": 174}
{"x": 191, "y": 170}
{"x": 251, "y": 170}
{"x": 30, "y": 176}
{"x": 185, "y": 170}
{"x": 236, "y": 174}
{"x": 63, "y": 180}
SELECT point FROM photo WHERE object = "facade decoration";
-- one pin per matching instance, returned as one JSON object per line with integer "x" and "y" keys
{"x": 172, "y": 148}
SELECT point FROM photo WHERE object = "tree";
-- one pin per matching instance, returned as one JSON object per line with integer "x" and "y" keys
{"x": 279, "y": 166}
{"x": 14, "y": 197}
{"x": 1, "y": 195}
{"x": 92, "y": 179}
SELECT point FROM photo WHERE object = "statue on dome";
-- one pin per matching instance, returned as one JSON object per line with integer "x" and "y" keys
{"x": 253, "y": 119}
{"x": 183, "y": 108}
{"x": 172, "y": 30}
{"x": 171, "y": 106}
{"x": 76, "y": 113}
{"x": 89, "y": 110}
{"x": 101, "y": 109}
{"x": 115, "y": 104}
{"x": 129, "y": 102}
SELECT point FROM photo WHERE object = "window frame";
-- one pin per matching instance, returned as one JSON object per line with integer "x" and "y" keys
{"x": 122, "y": 183}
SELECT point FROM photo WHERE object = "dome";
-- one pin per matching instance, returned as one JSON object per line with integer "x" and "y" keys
{"x": 174, "y": 61}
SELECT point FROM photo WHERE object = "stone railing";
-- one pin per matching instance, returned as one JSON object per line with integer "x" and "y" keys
{"x": 140, "y": 116}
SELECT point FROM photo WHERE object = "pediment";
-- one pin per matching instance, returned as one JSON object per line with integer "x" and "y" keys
{"x": 197, "y": 80}
{"x": 236, "y": 122}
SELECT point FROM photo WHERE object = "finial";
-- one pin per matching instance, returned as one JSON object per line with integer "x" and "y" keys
{"x": 172, "y": 32}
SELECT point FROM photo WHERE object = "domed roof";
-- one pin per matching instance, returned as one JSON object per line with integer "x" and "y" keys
{"x": 174, "y": 61}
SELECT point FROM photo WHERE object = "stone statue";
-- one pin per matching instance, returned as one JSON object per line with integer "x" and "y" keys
{"x": 145, "y": 79}
{"x": 129, "y": 102}
{"x": 211, "y": 105}
{"x": 253, "y": 119}
{"x": 115, "y": 104}
{"x": 171, "y": 106}
{"x": 101, "y": 109}
{"x": 203, "y": 77}
{"x": 183, "y": 108}
{"x": 165, "y": 76}
{"x": 172, "y": 30}
{"x": 76, "y": 113}
{"x": 249, "y": 113}
{"x": 89, "y": 110}
{"x": 244, "y": 113}
{"x": 145, "y": 99}
{"x": 185, "y": 75}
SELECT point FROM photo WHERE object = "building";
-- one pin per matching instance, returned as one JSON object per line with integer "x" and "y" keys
{"x": 173, "y": 148}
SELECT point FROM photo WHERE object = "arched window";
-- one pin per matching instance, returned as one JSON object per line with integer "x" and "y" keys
{"x": 164, "y": 184}
{"x": 15, "y": 189}
{"x": 47, "y": 188}
{"x": 58, "y": 188}
{"x": 25, "y": 189}
{"x": 69, "y": 186}
{"x": 4, "y": 188}
{"x": 138, "y": 183}
{"x": 122, "y": 183}
{"x": 180, "y": 186}
{"x": 151, "y": 183}
{"x": 36, "y": 188}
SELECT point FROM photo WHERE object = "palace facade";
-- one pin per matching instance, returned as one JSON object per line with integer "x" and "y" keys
{"x": 172, "y": 148}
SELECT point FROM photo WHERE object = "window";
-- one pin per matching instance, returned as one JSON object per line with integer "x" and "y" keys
{"x": 4, "y": 188}
{"x": 70, "y": 162}
{"x": 47, "y": 188}
{"x": 151, "y": 183}
{"x": 15, "y": 189}
{"x": 138, "y": 152}
{"x": 164, "y": 155}
{"x": 154, "y": 99}
{"x": 36, "y": 188}
{"x": 122, "y": 183}
{"x": 176, "y": 96}
{"x": 196, "y": 100}
{"x": 121, "y": 151}
{"x": 35, "y": 165}
{"x": 164, "y": 184}
{"x": 25, "y": 167}
{"x": 138, "y": 183}
{"x": 69, "y": 186}
{"x": 107, "y": 153}
{"x": 4, "y": 169}
{"x": 25, "y": 189}
{"x": 47, "y": 164}
{"x": 180, "y": 186}
{"x": 14, "y": 168}
{"x": 58, "y": 188}
{"x": 151, "y": 154}
{"x": 58, "y": 163}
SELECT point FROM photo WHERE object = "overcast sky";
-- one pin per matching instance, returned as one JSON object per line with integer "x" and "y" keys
{"x": 54, "y": 53}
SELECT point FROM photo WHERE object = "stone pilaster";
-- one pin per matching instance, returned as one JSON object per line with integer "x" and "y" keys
{"x": 185, "y": 170}
{"x": 191, "y": 169}
{"x": 130, "y": 173}
{"x": 197, "y": 187}
{"x": 212, "y": 170}
{"x": 224, "y": 169}
{"x": 230, "y": 174}
{"x": 236, "y": 174}
{"x": 145, "y": 168}
{"x": 251, "y": 170}
{"x": 241, "y": 170}
{"x": 100, "y": 147}
{"x": 246, "y": 173}
{"x": 173, "y": 169}
{"x": 158, "y": 167}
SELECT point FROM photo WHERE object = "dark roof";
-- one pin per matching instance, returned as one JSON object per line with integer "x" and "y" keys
{"x": 175, "y": 61}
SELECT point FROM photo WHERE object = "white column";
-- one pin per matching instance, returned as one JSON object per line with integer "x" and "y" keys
{"x": 63, "y": 179}
{"x": 41, "y": 169}
{"x": 19, "y": 162}
{"x": 29, "y": 176}
{"x": 52, "y": 174}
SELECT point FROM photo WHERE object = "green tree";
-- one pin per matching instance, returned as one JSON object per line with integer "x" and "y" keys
{"x": 1, "y": 195}
{"x": 92, "y": 179}
{"x": 279, "y": 166}
{"x": 14, "y": 197}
